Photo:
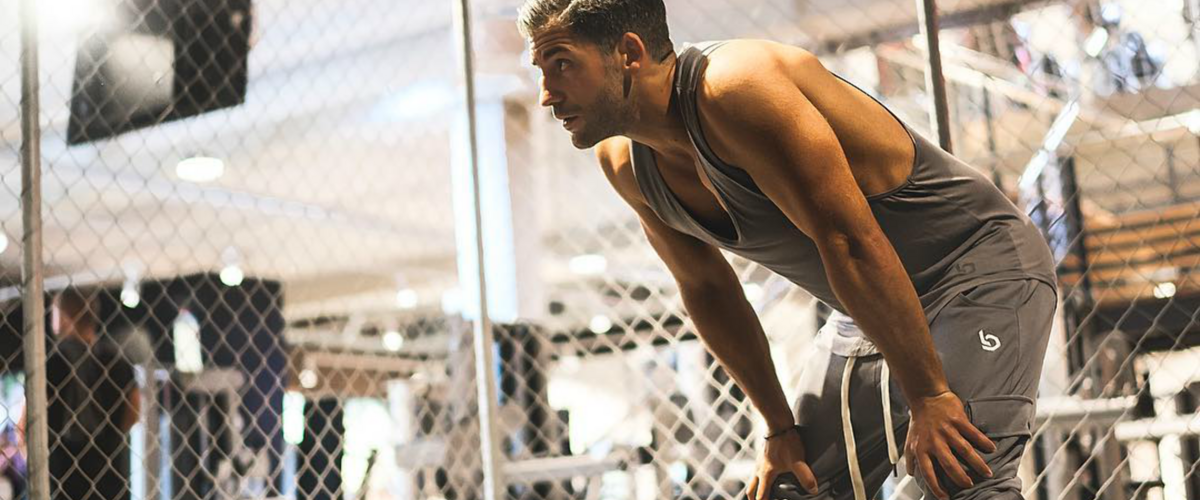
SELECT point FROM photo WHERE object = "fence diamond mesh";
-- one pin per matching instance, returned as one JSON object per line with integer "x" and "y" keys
{"x": 263, "y": 281}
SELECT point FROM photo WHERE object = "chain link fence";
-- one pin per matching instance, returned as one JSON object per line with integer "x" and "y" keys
{"x": 263, "y": 278}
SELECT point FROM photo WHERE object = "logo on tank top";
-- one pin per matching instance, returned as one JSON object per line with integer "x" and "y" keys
{"x": 988, "y": 341}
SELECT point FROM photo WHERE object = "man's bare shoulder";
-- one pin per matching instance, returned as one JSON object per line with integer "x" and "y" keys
{"x": 740, "y": 62}
{"x": 614, "y": 157}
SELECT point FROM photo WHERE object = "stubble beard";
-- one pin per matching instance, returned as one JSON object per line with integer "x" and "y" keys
{"x": 610, "y": 115}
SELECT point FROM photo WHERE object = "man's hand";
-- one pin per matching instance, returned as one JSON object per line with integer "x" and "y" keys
{"x": 781, "y": 455}
{"x": 940, "y": 431}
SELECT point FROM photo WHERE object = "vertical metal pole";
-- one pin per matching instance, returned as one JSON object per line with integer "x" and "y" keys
{"x": 485, "y": 376}
{"x": 31, "y": 272}
{"x": 935, "y": 83}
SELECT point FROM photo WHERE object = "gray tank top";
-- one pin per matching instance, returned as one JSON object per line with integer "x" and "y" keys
{"x": 951, "y": 227}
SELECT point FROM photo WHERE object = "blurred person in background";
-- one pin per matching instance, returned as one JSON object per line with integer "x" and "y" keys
{"x": 93, "y": 402}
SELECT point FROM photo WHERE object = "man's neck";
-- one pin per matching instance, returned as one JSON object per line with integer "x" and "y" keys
{"x": 660, "y": 126}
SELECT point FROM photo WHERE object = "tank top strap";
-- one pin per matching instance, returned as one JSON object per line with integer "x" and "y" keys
{"x": 691, "y": 63}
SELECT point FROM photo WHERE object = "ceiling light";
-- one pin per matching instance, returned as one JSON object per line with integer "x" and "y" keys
{"x": 600, "y": 324}
{"x": 588, "y": 265}
{"x": 393, "y": 341}
{"x": 232, "y": 275}
{"x": 3, "y": 242}
{"x": 129, "y": 295}
{"x": 308, "y": 378}
{"x": 1164, "y": 290}
{"x": 200, "y": 169}
{"x": 406, "y": 298}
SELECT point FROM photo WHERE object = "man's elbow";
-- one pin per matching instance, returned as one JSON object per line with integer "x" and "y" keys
{"x": 862, "y": 248}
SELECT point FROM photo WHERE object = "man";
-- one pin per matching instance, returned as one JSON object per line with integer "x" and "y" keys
{"x": 93, "y": 402}
{"x": 755, "y": 148}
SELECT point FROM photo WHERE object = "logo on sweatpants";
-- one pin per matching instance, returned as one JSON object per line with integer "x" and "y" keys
{"x": 988, "y": 341}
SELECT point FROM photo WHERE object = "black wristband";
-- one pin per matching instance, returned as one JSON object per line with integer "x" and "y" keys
{"x": 783, "y": 431}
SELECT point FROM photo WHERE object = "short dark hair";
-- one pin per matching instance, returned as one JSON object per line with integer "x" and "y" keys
{"x": 78, "y": 304}
{"x": 602, "y": 22}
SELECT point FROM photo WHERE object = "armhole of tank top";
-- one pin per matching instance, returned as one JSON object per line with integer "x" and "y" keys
{"x": 700, "y": 139}
{"x": 912, "y": 169}
{"x": 638, "y": 166}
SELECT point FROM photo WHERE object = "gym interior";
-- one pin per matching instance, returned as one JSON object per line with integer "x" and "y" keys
{"x": 346, "y": 254}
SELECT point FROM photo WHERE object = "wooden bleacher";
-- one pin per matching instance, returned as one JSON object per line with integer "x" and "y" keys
{"x": 1130, "y": 254}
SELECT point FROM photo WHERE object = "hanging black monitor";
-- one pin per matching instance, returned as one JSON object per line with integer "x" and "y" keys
{"x": 158, "y": 60}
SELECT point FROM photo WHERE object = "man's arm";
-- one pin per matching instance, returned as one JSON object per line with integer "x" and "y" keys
{"x": 711, "y": 293}
{"x": 132, "y": 409}
{"x": 758, "y": 119}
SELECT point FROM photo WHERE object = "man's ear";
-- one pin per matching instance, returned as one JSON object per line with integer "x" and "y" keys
{"x": 632, "y": 51}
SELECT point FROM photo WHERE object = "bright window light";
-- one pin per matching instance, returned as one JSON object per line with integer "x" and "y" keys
{"x": 452, "y": 301}
{"x": 200, "y": 169}
{"x": 588, "y": 265}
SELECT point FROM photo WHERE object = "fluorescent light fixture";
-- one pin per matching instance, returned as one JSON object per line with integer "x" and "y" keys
{"x": 600, "y": 324}
{"x": 753, "y": 291}
{"x": 1095, "y": 42}
{"x": 200, "y": 169}
{"x": 392, "y": 340}
{"x": 232, "y": 275}
{"x": 3, "y": 242}
{"x": 185, "y": 334}
{"x": 1164, "y": 290}
{"x": 588, "y": 264}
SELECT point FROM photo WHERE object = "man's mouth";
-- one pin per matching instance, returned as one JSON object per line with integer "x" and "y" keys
{"x": 566, "y": 122}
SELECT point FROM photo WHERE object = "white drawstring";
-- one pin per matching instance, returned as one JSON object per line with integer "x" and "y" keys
{"x": 848, "y": 434}
{"x": 893, "y": 450}
{"x": 856, "y": 479}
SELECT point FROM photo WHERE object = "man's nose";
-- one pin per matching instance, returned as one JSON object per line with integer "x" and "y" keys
{"x": 547, "y": 98}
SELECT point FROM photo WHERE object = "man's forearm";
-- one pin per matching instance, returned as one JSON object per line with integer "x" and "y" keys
{"x": 871, "y": 284}
{"x": 731, "y": 331}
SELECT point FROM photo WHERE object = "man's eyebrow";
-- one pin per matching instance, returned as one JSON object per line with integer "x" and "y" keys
{"x": 548, "y": 53}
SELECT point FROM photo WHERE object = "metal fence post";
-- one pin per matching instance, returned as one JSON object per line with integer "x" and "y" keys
{"x": 935, "y": 82}
{"x": 33, "y": 302}
{"x": 485, "y": 377}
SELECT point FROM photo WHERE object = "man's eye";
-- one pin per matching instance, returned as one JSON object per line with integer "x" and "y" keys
{"x": 563, "y": 64}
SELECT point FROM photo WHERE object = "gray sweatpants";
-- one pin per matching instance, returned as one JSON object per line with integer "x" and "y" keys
{"x": 991, "y": 340}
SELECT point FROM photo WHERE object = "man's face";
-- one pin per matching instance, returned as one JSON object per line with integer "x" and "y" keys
{"x": 583, "y": 86}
